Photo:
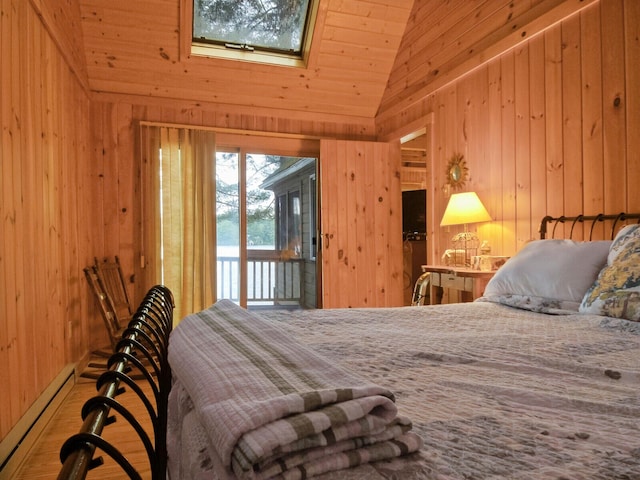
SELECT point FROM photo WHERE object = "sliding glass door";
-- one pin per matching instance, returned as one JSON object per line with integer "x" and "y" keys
{"x": 265, "y": 229}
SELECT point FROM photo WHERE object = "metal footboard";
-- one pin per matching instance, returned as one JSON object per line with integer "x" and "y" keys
{"x": 143, "y": 349}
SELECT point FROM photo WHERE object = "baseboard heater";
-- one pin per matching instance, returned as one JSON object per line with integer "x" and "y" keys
{"x": 16, "y": 445}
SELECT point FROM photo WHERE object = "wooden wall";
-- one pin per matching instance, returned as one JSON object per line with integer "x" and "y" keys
{"x": 117, "y": 172}
{"x": 547, "y": 127}
{"x": 44, "y": 205}
{"x": 71, "y": 190}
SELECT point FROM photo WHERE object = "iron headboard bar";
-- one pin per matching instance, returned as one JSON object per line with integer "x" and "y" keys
{"x": 594, "y": 219}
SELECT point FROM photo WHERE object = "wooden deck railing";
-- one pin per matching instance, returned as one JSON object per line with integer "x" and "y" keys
{"x": 273, "y": 276}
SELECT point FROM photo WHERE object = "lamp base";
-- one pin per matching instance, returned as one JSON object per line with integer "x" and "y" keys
{"x": 467, "y": 242}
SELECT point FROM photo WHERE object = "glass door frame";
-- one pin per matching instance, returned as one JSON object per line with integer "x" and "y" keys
{"x": 244, "y": 145}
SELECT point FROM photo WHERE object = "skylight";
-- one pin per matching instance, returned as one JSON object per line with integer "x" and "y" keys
{"x": 254, "y": 29}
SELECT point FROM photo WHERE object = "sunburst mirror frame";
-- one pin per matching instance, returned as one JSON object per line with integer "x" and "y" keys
{"x": 457, "y": 171}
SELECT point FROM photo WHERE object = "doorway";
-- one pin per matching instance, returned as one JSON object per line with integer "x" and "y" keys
{"x": 265, "y": 229}
{"x": 414, "y": 150}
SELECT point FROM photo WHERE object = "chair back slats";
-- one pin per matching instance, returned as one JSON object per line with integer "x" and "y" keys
{"x": 110, "y": 277}
{"x": 104, "y": 304}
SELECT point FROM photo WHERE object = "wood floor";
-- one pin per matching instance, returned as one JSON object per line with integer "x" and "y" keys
{"x": 43, "y": 461}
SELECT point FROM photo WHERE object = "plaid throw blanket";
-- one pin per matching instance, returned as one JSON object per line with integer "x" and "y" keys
{"x": 272, "y": 407}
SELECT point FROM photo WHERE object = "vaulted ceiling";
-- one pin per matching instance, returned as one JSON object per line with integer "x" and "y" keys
{"x": 137, "y": 47}
{"x": 370, "y": 59}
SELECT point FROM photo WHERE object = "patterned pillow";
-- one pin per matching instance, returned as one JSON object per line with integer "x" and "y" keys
{"x": 616, "y": 292}
{"x": 548, "y": 276}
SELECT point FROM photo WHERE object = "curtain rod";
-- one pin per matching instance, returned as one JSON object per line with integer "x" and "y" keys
{"x": 234, "y": 131}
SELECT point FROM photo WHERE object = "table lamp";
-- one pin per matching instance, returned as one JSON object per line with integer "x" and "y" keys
{"x": 463, "y": 209}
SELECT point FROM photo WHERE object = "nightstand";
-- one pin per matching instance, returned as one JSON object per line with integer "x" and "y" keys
{"x": 469, "y": 284}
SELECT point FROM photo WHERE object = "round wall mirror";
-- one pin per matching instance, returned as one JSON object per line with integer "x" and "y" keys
{"x": 457, "y": 171}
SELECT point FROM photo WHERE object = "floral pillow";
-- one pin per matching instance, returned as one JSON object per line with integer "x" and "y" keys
{"x": 616, "y": 292}
{"x": 548, "y": 276}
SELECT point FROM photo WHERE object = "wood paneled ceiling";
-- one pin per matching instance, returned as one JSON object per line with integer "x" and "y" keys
{"x": 370, "y": 60}
{"x": 132, "y": 47}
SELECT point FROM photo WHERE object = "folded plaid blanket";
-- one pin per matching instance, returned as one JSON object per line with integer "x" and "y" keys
{"x": 272, "y": 407}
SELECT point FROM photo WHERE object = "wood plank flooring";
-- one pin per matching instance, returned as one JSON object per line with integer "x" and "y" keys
{"x": 43, "y": 461}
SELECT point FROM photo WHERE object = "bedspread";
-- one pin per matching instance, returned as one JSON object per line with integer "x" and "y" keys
{"x": 494, "y": 392}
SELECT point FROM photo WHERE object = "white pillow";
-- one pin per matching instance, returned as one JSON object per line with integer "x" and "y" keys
{"x": 549, "y": 276}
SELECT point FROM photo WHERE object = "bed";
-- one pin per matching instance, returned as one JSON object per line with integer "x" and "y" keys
{"x": 537, "y": 379}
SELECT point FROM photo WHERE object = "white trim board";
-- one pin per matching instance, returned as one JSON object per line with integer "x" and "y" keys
{"x": 16, "y": 445}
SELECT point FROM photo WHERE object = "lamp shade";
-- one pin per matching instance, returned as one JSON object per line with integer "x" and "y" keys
{"x": 464, "y": 208}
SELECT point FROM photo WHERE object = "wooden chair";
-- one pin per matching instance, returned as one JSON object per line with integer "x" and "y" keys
{"x": 110, "y": 322}
{"x": 107, "y": 283}
{"x": 106, "y": 310}
{"x": 112, "y": 282}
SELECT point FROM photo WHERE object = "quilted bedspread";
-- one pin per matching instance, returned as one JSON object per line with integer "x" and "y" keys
{"x": 494, "y": 392}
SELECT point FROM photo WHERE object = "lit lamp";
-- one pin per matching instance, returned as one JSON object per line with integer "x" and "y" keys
{"x": 463, "y": 209}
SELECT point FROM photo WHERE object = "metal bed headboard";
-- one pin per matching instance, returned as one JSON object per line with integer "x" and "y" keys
{"x": 618, "y": 220}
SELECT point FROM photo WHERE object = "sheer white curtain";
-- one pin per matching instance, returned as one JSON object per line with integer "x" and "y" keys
{"x": 178, "y": 223}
